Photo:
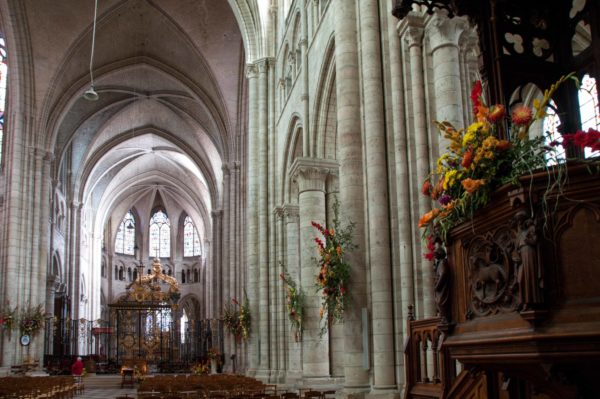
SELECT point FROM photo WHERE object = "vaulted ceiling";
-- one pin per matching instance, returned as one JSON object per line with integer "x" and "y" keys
{"x": 169, "y": 75}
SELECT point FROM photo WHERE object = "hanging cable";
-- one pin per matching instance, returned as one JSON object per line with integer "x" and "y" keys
{"x": 91, "y": 94}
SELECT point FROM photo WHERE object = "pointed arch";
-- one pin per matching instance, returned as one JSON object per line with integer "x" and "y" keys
{"x": 324, "y": 127}
{"x": 293, "y": 150}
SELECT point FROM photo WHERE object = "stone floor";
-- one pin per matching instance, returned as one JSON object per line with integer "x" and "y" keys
{"x": 105, "y": 387}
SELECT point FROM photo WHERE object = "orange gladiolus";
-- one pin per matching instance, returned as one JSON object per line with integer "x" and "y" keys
{"x": 428, "y": 217}
{"x": 471, "y": 185}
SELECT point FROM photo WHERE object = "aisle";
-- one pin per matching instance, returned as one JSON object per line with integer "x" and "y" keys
{"x": 105, "y": 386}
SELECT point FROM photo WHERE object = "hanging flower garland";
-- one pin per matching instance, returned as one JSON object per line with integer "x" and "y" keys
{"x": 31, "y": 320}
{"x": 245, "y": 319}
{"x": 8, "y": 316}
{"x": 231, "y": 320}
{"x": 237, "y": 322}
{"x": 334, "y": 271}
{"x": 295, "y": 304}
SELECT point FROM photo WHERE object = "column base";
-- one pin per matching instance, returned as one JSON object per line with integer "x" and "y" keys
{"x": 263, "y": 375}
{"x": 384, "y": 393}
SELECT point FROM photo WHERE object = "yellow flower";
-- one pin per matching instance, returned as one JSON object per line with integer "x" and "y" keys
{"x": 490, "y": 142}
{"x": 449, "y": 178}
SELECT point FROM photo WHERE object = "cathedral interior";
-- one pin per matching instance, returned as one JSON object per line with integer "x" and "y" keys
{"x": 240, "y": 183}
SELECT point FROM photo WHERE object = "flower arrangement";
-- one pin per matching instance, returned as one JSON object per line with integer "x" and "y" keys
{"x": 295, "y": 303}
{"x": 231, "y": 320}
{"x": 478, "y": 162}
{"x": 214, "y": 354}
{"x": 237, "y": 322}
{"x": 334, "y": 271}
{"x": 31, "y": 320}
{"x": 200, "y": 369}
{"x": 7, "y": 317}
{"x": 245, "y": 319}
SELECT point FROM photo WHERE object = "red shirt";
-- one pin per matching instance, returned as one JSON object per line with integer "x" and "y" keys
{"x": 77, "y": 367}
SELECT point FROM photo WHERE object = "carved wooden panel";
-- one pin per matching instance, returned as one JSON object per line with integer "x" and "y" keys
{"x": 578, "y": 232}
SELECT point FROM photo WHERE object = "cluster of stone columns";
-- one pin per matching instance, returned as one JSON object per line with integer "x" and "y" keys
{"x": 385, "y": 147}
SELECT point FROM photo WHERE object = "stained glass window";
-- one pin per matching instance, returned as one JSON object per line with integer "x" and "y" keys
{"x": 588, "y": 107}
{"x": 125, "y": 241}
{"x": 191, "y": 239}
{"x": 3, "y": 86}
{"x": 160, "y": 235}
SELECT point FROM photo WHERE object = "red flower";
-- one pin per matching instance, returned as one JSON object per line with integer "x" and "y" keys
{"x": 426, "y": 189}
{"x": 521, "y": 115}
{"x": 342, "y": 290}
{"x": 467, "y": 158}
{"x": 319, "y": 243}
{"x": 503, "y": 145}
{"x": 235, "y": 301}
{"x": 476, "y": 96}
{"x": 496, "y": 113}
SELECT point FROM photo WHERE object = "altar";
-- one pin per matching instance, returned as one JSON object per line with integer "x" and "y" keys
{"x": 146, "y": 321}
{"x": 146, "y": 334}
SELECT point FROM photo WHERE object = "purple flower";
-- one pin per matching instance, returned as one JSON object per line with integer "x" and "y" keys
{"x": 445, "y": 199}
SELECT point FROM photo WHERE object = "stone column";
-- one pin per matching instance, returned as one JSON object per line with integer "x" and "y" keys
{"x": 208, "y": 279}
{"x": 352, "y": 183}
{"x": 279, "y": 294}
{"x": 217, "y": 267}
{"x": 294, "y": 346}
{"x": 444, "y": 34}
{"x": 411, "y": 30}
{"x": 252, "y": 207}
{"x": 226, "y": 295}
{"x": 262, "y": 316}
{"x": 403, "y": 281}
{"x": 336, "y": 333}
{"x": 311, "y": 174}
{"x": 377, "y": 199}
{"x": 235, "y": 243}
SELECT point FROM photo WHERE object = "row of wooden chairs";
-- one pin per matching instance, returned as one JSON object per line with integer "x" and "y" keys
{"x": 38, "y": 387}
{"x": 224, "y": 386}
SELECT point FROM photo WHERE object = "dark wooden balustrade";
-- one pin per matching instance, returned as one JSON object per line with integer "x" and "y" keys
{"x": 523, "y": 318}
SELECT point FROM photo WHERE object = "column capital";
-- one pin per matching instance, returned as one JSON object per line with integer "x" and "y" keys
{"x": 311, "y": 173}
{"x": 333, "y": 184}
{"x": 278, "y": 212}
{"x": 226, "y": 168}
{"x": 291, "y": 213}
{"x": 263, "y": 64}
{"x": 251, "y": 71}
{"x": 216, "y": 213}
{"x": 444, "y": 31}
{"x": 411, "y": 29}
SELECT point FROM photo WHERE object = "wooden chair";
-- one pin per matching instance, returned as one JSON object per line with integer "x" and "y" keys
{"x": 312, "y": 394}
{"x": 127, "y": 378}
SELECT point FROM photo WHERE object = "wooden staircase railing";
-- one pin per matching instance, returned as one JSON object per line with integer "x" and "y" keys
{"x": 425, "y": 361}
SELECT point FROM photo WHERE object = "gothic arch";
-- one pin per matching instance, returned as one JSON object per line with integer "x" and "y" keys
{"x": 292, "y": 150}
{"x": 192, "y": 306}
{"x": 324, "y": 129}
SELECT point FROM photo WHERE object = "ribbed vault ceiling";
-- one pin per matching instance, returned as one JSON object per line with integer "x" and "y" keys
{"x": 168, "y": 74}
